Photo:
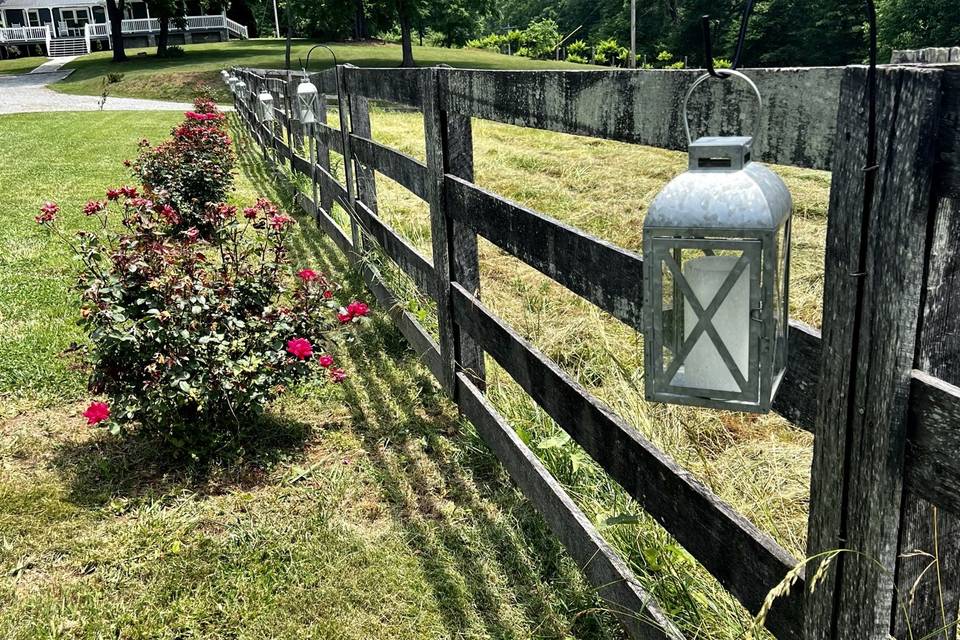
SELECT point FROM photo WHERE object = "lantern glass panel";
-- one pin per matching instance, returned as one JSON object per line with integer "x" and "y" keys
{"x": 709, "y": 345}
{"x": 781, "y": 306}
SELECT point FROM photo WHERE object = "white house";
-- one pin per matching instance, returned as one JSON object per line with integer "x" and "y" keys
{"x": 70, "y": 27}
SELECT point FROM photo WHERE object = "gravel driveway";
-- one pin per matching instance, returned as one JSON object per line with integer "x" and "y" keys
{"x": 29, "y": 92}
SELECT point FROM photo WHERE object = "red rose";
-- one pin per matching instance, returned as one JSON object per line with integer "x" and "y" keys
{"x": 169, "y": 214}
{"x": 97, "y": 412}
{"x": 338, "y": 375}
{"x": 308, "y": 275}
{"x": 300, "y": 348}
{"x": 328, "y": 294}
{"x": 344, "y": 317}
{"x": 94, "y": 206}
{"x": 326, "y": 361}
{"x": 357, "y": 309}
{"x": 280, "y": 220}
{"x": 48, "y": 212}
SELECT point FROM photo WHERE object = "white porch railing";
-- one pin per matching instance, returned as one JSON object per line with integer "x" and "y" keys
{"x": 237, "y": 29}
{"x": 206, "y": 22}
{"x": 140, "y": 25}
{"x": 24, "y": 34}
{"x": 136, "y": 25}
{"x": 98, "y": 30}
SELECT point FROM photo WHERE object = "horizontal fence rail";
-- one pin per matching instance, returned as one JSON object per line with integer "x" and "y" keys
{"x": 797, "y": 127}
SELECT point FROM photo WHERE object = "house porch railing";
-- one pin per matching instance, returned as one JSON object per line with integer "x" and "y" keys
{"x": 93, "y": 31}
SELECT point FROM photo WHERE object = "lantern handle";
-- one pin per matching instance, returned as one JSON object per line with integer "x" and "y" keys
{"x": 704, "y": 78}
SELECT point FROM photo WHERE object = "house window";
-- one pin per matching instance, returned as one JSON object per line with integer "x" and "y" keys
{"x": 75, "y": 18}
{"x": 34, "y": 17}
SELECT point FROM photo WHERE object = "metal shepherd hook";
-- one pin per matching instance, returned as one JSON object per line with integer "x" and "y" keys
{"x": 313, "y": 146}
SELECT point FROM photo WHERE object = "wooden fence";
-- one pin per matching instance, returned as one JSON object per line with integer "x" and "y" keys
{"x": 880, "y": 469}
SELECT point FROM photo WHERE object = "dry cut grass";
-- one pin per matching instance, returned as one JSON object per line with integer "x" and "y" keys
{"x": 759, "y": 464}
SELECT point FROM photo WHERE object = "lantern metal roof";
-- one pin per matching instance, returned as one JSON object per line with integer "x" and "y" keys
{"x": 722, "y": 190}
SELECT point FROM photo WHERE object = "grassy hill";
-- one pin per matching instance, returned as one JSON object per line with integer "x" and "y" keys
{"x": 146, "y": 76}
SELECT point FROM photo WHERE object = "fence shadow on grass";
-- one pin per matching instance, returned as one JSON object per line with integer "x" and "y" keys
{"x": 104, "y": 467}
{"x": 479, "y": 543}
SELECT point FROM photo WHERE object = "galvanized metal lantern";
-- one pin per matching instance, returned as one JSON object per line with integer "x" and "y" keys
{"x": 265, "y": 106}
{"x": 716, "y": 245}
{"x": 225, "y": 76}
{"x": 240, "y": 90}
{"x": 233, "y": 81}
{"x": 308, "y": 102}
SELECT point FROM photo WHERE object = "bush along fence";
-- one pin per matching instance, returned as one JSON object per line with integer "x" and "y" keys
{"x": 885, "y": 477}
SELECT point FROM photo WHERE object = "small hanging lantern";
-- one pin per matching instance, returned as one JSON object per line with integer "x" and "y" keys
{"x": 308, "y": 101}
{"x": 265, "y": 106}
{"x": 716, "y": 246}
{"x": 233, "y": 81}
{"x": 240, "y": 90}
{"x": 225, "y": 76}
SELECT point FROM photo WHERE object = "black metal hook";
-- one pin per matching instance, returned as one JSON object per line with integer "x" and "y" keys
{"x": 741, "y": 37}
{"x": 323, "y": 46}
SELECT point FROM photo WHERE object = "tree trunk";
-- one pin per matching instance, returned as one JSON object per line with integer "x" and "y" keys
{"x": 359, "y": 21}
{"x": 286, "y": 55}
{"x": 115, "y": 15}
{"x": 163, "y": 36}
{"x": 406, "y": 38}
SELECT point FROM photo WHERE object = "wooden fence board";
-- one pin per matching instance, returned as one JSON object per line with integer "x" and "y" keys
{"x": 796, "y": 399}
{"x": 331, "y": 137}
{"x": 745, "y": 560}
{"x": 601, "y": 272}
{"x": 399, "y": 250}
{"x": 400, "y": 86}
{"x": 636, "y": 609}
{"x": 399, "y": 167}
{"x": 328, "y": 224}
{"x": 797, "y": 122}
{"x": 420, "y": 340}
{"x": 934, "y": 447}
{"x": 948, "y": 149}
{"x": 925, "y": 526}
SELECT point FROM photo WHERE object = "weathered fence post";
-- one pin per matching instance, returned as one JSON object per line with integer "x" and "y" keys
{"x": 449, "y": 145}
{"x": 872, "y": 297}
{"x": 346, "y": 108}
{"x": 933, "y": 590}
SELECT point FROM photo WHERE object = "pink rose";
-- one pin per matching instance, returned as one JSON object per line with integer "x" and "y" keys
{"x": 300, "y": 348}
{"x": 326, "y": 361}
{"x": 48, "y": 212}
{"x": 307, "y": 275}
{"x": 96, "y": 413}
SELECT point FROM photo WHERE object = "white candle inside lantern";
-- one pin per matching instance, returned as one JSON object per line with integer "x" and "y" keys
{"x": 703, "y": 367}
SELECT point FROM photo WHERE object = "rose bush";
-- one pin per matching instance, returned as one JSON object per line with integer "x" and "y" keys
{"x": 192, "y": 337}
{"x": 191, "y": 170}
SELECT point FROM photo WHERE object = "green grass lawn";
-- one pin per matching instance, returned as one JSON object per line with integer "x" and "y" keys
{"x": 146, "y": 76}
{"x": 367, "y": 510}
{"x": 15, "y": 66}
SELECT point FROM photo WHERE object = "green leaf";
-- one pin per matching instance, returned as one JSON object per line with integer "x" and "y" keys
{"x": 555, "y": 442}
{"x": 623, "y": 518}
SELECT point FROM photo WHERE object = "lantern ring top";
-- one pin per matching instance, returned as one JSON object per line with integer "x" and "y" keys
{"x": 704, "y": 78}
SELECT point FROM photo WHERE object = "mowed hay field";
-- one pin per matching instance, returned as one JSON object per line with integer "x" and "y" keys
{"x": 759, "y": 464}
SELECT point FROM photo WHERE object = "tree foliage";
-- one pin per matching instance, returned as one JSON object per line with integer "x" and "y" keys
{"x": 781, "y": 33}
